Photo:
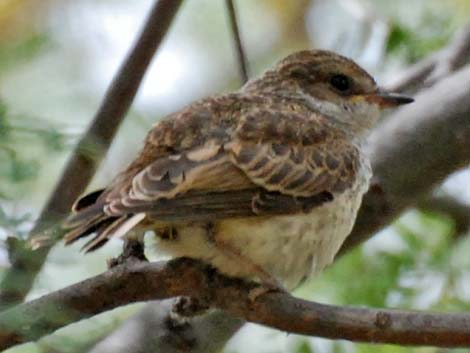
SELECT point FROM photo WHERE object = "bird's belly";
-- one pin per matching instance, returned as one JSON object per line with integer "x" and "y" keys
{"x": 293, "y": 247}
{"x": 288, "y": 247}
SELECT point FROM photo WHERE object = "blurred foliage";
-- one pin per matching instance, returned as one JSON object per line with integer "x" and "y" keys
{"x": 415, "y": 264}
{"x": 17, "y": 168}
{"x": 303, "y": 347}
{"x": 19, "y": 18}
{"x": 20, "y": 165}
{"x": 411, "y": 45}
{"x": 14, "y": 52}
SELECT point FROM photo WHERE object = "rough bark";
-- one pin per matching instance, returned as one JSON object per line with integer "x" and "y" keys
{"x": 141, "y": 281}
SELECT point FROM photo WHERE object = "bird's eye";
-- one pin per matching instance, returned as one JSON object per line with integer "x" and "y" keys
{"x": 341, "y": 82}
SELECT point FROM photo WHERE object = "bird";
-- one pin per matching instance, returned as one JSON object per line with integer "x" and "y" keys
{"x": 262, "y": 184}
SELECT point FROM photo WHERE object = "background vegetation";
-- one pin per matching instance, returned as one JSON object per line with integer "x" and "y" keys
{"x": 57, "y": 57}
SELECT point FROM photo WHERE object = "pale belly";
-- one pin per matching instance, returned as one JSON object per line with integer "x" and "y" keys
{"x": 289, "y": 248}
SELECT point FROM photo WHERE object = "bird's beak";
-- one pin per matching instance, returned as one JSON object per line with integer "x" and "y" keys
{"x": 388, "y": 100}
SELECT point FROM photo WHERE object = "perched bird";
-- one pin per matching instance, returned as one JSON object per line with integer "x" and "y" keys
{"x": 264, "y": 183}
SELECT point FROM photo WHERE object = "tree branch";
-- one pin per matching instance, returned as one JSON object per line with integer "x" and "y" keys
{"x": 143, "y": 281}
{"x": 90, "y": 150}
{"x": 241, "y": 57}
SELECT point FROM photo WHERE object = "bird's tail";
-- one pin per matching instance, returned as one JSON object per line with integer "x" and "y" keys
{"x": 87, "y": 218}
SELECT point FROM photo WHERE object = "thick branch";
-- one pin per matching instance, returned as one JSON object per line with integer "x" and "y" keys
{"x": 90, "y": 150}
{"x": 414, "y": 150}
{"x": 241, "y": 57}
{"x": 135, "y": 282}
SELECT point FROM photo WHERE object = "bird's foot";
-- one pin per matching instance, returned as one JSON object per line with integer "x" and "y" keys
{"x": 268, "y": 285}
{"x": 190, "y": 306}
{"x": 133, "y": 251}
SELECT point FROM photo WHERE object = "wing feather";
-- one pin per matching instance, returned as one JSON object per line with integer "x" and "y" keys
{"x": 297, "y": 170}
{"x": 209, "y": 163}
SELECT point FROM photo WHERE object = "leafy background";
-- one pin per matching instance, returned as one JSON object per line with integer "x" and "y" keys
{"x": 57, "y": 57}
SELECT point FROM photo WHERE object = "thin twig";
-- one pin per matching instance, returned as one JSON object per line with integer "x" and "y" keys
{"x": 82, "y": 164}
{"x": 134, "y": 282}
{"x": 242, "y": 61}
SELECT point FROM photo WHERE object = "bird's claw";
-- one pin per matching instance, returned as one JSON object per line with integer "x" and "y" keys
{"x": 190, "y": 306}
{"x": 266, "y": 287}
{"x": 133, "y": 251}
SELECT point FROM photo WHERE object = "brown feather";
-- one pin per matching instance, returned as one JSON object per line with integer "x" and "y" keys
{"x": 294, "y": 170}
{"x": 103, "y": 233}
{"x": 86, "y": 200}
{"x": 231, "y": 156}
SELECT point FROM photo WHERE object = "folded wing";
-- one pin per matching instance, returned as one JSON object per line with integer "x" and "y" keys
{"x": 229, "y": 177}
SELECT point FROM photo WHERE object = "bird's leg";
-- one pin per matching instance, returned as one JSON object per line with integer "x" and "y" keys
{"x": 133, "y": 250}
{"x": 267, "y": 280}
{"x": 190, "y": 306}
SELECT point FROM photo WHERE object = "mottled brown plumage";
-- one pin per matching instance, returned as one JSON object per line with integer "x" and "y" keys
{"x": 282, "y": 147}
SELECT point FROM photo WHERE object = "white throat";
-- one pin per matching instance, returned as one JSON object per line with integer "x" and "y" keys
{"x": 355, "y": 118}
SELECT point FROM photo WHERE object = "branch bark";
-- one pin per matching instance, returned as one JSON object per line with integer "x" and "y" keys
{"x": 89, "y": 152}
{"x": 143, "y": 281}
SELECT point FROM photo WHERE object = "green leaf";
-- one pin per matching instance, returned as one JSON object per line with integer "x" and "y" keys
{"x": 303, "y": 347}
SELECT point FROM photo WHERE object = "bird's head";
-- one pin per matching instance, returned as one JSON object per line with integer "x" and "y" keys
{"x": 331, "y": 84}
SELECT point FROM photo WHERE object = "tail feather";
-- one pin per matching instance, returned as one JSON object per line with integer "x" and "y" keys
{"x": 88, "y": 218}
{"x": 85, "y": 229}
{"x": 87, "y": 200}
{"x": 116, "y": 227}
{"x": 102, "y": 233}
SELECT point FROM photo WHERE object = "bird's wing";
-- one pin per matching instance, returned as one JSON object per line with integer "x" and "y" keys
{"x": 236, "y": 175}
